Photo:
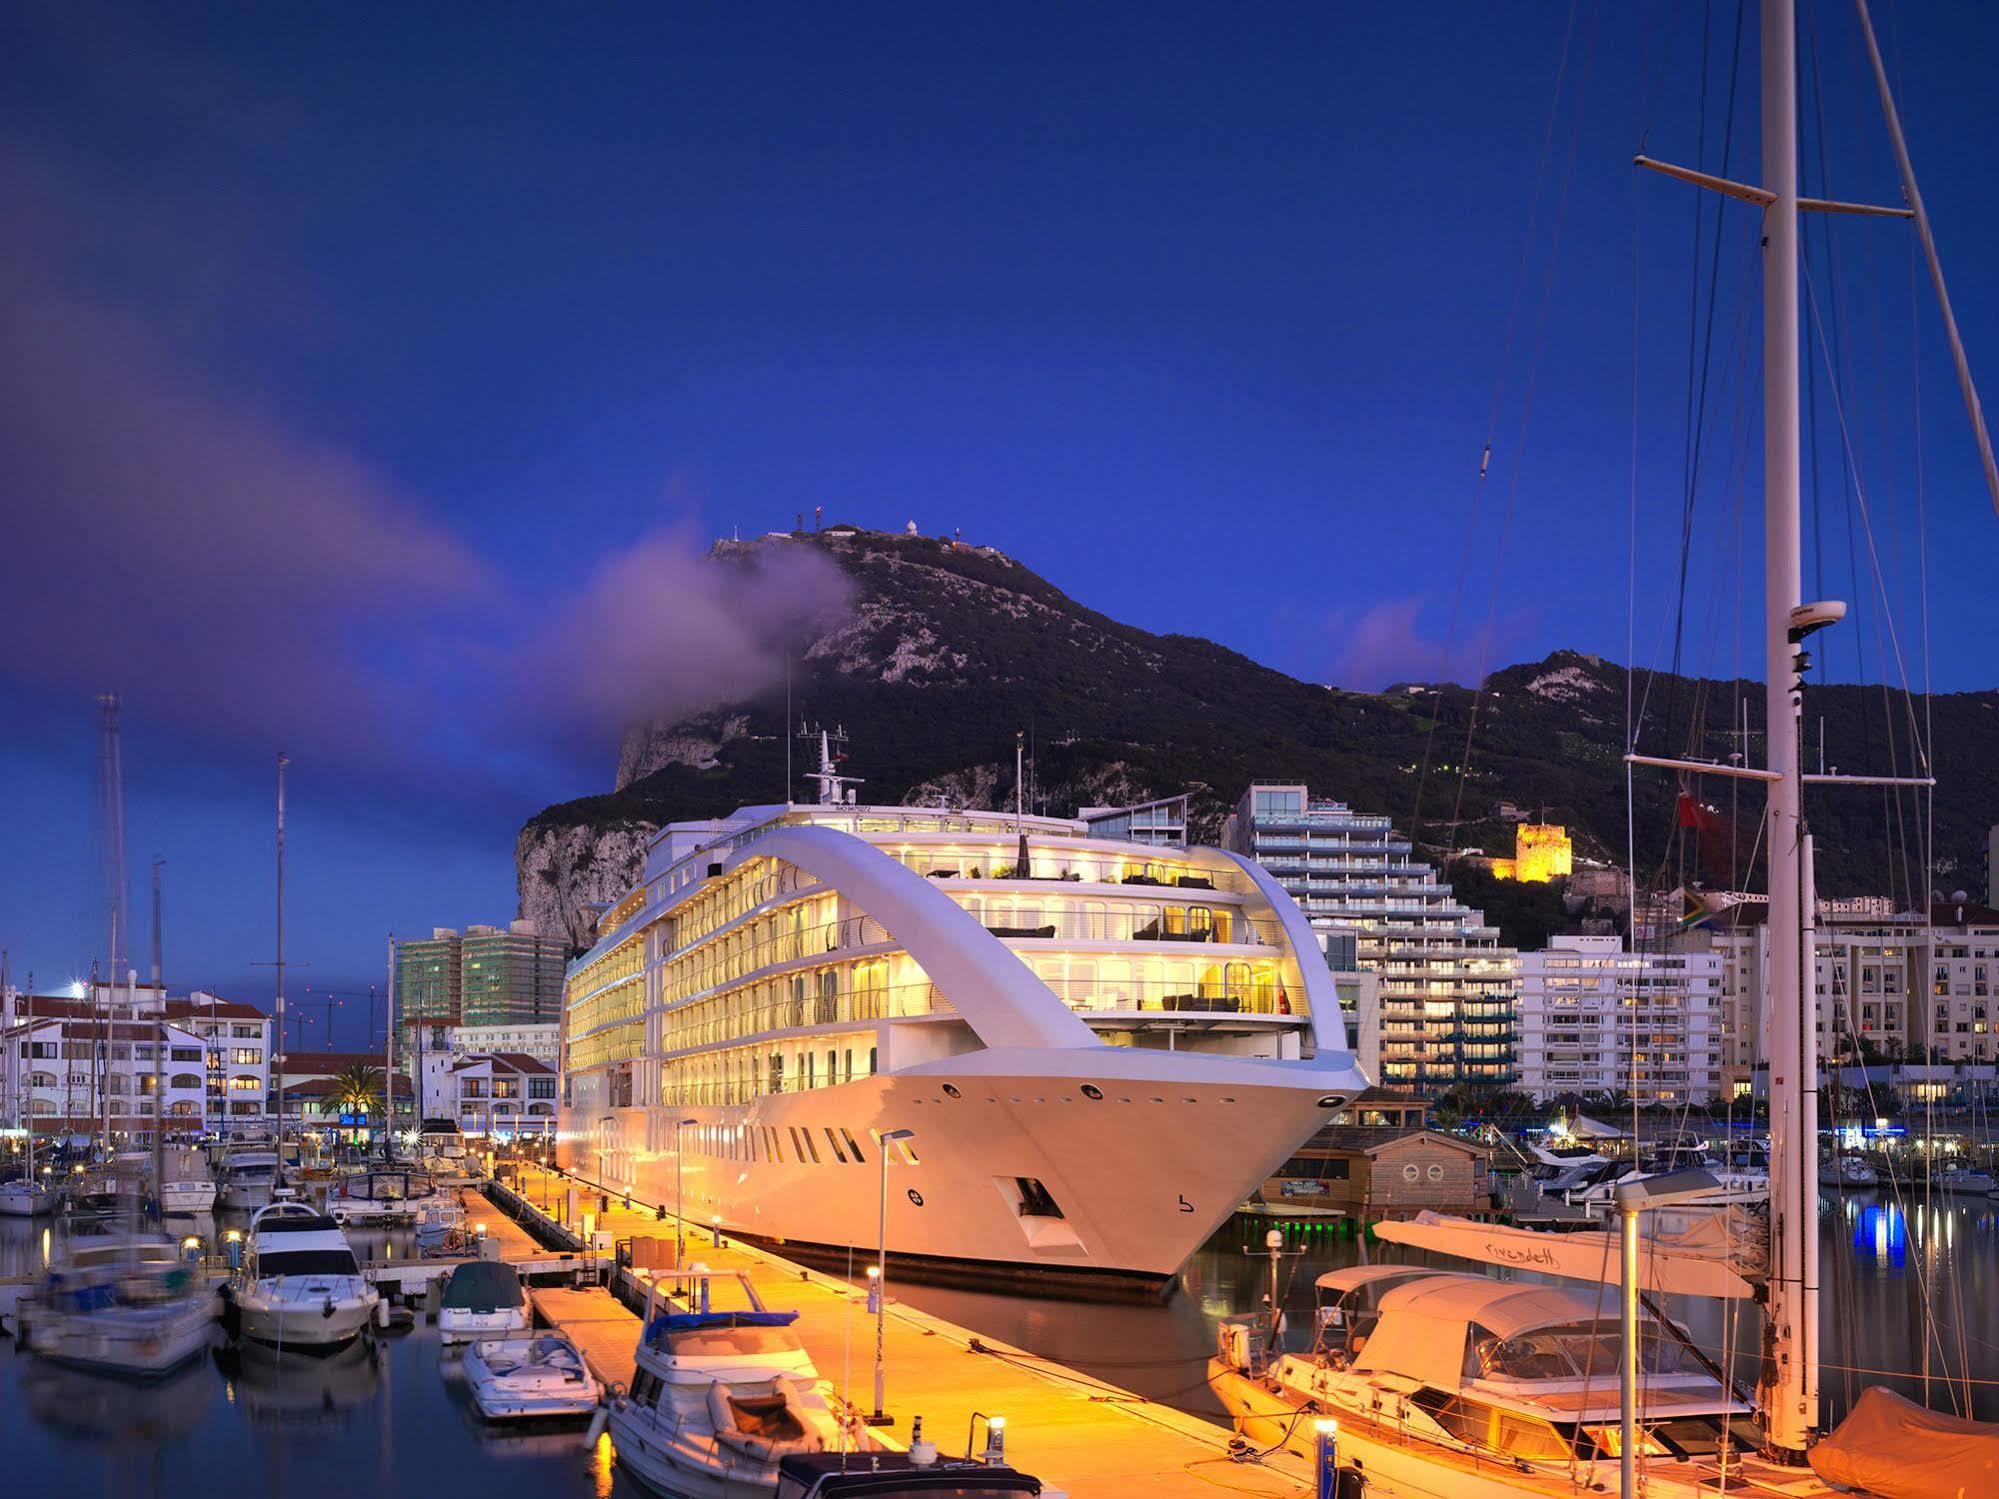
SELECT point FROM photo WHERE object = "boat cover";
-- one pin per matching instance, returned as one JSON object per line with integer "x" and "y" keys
{"x": 1692, "y": 1264}
{"x": 669, "y": 1322}
{"x": 1891, "y": 1446}
{"x": 483, "y": 1286}
{"x": 847, "y": 1475}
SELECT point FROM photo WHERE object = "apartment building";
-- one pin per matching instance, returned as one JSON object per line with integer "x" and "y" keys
{"x": 1594, "y": 1018}
{"x": 1447, "y": 987}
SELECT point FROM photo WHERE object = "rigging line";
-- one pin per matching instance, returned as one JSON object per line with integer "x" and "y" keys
{"x": 1492, "y": 416}
{"x": 1752, "y": 250}
{"x": 1860, "y": 495}
{"x": 1697, "y": 404}
{"x": 1526, "y": 416}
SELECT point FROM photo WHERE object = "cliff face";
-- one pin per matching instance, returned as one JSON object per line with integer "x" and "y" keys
{"x": 949, "y": 650}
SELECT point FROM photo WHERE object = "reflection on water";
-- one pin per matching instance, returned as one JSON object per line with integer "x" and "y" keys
{"x": 395, "y": 1419}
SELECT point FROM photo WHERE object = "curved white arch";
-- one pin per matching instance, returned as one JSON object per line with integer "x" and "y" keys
{"x": 1322, "y": 995}
{"x": 995, "y": 993}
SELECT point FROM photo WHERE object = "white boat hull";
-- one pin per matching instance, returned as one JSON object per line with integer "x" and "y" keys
{"x": 684, "y": 1463}
{"x": 35, "y": 1202}
{"x": 304, "y": 1317}
{"x": 507, "y": 1385}
{"x": 137, "y": 1342}
{"x": 1142, "y": 1173}
{"x": 456, "y": 1326}
{"x": 187, "y": 1198}
{"x": 245, "y": 1197}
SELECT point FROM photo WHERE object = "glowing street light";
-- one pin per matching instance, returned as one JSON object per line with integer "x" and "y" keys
{"x": 878, "y": 1288}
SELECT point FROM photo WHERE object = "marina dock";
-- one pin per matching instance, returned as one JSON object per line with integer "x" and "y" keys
{"x": 1080, "y": 1436}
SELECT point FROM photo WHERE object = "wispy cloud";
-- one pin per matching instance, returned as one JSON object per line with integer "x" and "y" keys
{"x": 170, "y": 533}
{"x": 1406, "y": 639}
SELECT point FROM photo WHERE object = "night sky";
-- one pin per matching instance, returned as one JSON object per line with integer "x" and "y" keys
{"x": 375, "y": 375}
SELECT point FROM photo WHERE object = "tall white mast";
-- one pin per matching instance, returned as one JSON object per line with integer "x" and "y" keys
{"x": 1789, "y": 1384}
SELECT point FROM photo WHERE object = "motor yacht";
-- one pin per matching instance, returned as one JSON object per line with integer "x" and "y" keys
{"x": 301, "y": 1286}
{"x": 1849, "y": 1171}
{"x": 249, "y": 1178}
{"x": 440, "y": 1227}
{"x": 1969, "y": 1180}
{"x": 1464, "y": 1387}
{"x": 532, "y": 1377}
{"x": 718, "y": 1400}
{"x": 24, "y": 1197}
{"x": 482, "y": 1299}
{"x": 121, "y": 1304}
{"x": 188, "y": 1189}
{"x": 389, "y": 1196}
{"x": 897, "y": 1475}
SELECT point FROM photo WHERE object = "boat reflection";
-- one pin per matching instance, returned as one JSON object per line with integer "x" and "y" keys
{"x": 100, "y": 1409}
{"x": 293, "y": 1390}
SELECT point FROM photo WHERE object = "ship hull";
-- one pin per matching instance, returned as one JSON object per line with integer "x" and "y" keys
{"x": 1019, "y": 1171}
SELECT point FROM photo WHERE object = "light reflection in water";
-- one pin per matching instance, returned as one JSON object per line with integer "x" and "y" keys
{"x": 600, "y": 1465}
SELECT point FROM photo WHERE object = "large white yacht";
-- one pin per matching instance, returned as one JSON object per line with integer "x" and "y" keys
{"x": 1101, "y": 1045}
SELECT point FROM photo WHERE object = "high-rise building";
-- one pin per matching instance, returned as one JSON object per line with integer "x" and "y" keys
{"x": 1447, "y": 986}
{"x": 1597, "y": 1019}
{"x": 489, "y": 975}
{"x": 427, "y": 978}
{"x": 510, "y": 975}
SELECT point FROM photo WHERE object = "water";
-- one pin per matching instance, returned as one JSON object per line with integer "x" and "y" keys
{"x": 391, "y": 1420}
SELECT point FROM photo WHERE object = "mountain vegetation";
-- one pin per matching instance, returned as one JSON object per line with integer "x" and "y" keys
{"x": 950, "y": 649}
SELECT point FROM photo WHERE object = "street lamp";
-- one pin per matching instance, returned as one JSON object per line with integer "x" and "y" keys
{"x": 1632, "y": 1198}
{"x": 879, "y": 1288}
{"x": 679, "y": 1222}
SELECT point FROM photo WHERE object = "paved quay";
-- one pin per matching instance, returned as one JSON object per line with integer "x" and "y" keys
{"x": 1080, "y": 1436}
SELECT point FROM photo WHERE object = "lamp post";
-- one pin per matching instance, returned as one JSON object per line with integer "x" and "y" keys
{"x": 879, "y": 1289}
{"x": 1633, "y": 1198}
{"x": 679, "y": 1221}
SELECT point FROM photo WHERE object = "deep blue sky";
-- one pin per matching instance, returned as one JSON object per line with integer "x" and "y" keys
{"x": 350, "y": 346}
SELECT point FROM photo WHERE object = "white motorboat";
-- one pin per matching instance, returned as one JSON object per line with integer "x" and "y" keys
{"x": 188, "y": 1189}
{"x": 249, "y": 1178}
{"x": 482, "y": 1299}
{"x": 832, "y": 1475}
{"x": 23, "y": 1198}
{"x": 301, "y": 1286}
{"x": 385, "y": 1196}
{"x": 1969, "y": 1180}
{"x": 446, "y": 1158}
{"x": 718, "y": 1400}
{"x": 1849, "y": 1171}
{"x": 440, "y": 1227}
{"x": 527, "y": 1378}
{"x": 1459, "y": 1385}
{"x": 122, "y": 1305}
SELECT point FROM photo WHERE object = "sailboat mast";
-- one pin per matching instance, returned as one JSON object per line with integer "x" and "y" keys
{"x": 1789, "y": 1383}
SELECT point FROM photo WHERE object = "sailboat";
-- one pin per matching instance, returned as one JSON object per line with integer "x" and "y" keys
{"x": 1433, "y": 1383}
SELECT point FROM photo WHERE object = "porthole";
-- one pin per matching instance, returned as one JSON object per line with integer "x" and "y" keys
{"x": 1092, "y": 1092}
{"x": 1436, "y": 1173}
{"x": 1330, "y": 1101}
{"x": 952, "y": 1092}
{"x": 1411, "y": 1172}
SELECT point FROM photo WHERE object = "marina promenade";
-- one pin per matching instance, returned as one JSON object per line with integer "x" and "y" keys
{"x": 1079, "y": 1435}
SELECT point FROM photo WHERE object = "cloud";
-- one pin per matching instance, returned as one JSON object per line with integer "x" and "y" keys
{"x": 660, "y": 629}
{"x": 1404, "y": 640}
{"x": 167, "y": 533}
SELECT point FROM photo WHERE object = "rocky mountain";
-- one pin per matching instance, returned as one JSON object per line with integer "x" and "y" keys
{"x": 949, "y": 649}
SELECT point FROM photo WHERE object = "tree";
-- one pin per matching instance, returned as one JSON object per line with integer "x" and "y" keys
{"x": 357, "y": 1089}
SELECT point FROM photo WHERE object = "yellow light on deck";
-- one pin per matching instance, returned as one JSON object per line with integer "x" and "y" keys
{"x": 1326, "y": 1426}
{"x": 232, "y": 1236}
{"x": 192, "y": 1241}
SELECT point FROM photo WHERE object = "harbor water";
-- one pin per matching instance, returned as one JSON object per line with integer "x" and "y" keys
{"x": 392, "y": 1418}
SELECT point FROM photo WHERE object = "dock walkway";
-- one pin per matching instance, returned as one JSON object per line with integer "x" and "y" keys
{"x": 1081, "y": 1436}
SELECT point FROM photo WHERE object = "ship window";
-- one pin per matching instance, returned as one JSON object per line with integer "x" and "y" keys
{"x": 859, "y": 1159}
{"x": 871, "y": 1061}
{"x": 775, "y": 1145}
{"x": 838, "y": 1154}
{"x": 810, "y": 1149}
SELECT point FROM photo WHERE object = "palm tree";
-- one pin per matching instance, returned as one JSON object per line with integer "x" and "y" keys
{"x": 357, "y": 1089}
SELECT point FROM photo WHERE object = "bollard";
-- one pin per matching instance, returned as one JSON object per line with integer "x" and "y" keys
{"x": 1326, "y": 1466}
